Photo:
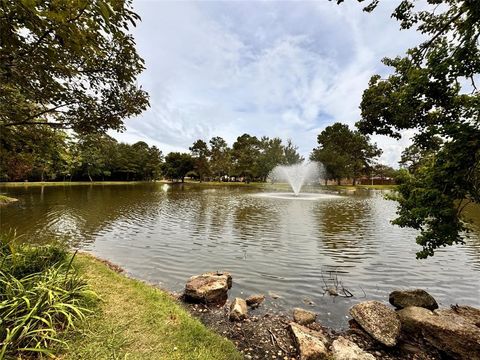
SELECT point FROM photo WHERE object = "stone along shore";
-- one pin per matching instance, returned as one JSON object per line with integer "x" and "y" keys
{"x": 412, "y": 328}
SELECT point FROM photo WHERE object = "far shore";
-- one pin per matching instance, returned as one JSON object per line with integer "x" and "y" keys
{"x": 263, "y": 185}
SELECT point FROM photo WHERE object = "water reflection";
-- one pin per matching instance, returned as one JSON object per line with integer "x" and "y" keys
{"x": 163, "y": 234}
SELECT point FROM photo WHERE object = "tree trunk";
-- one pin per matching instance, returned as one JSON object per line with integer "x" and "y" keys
{"x": 354, "y": 181}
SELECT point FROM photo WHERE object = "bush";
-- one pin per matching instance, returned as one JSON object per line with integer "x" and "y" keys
{"x": 40, "y": 296}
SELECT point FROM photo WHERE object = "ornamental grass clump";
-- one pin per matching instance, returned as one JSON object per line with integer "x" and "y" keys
{"x": 41, "y": 295}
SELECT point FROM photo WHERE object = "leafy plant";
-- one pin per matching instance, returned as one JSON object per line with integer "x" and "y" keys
{"x": 41, "y": 295}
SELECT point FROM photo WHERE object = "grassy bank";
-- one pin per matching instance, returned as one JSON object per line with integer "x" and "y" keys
{"x": 70, "y": 183}
{"x": 137, "y": 321}
{"x": 6, "y": 200}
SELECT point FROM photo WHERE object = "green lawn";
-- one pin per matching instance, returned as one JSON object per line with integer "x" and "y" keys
{"x": 137, "y": 321}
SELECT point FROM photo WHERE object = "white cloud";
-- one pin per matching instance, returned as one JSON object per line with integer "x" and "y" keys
{"x": 285, "y": 69}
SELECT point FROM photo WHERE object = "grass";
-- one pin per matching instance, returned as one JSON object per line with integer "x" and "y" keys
{"x": 69, "y": 183}
{"x": 137, "y": 321}
{"x": 368, "y": 187}
{"x": 40, "y": 298}
{"x": 6, "y": 200}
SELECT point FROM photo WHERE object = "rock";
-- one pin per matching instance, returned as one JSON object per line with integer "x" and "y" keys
{"x": 273, "y": 295}
{"x": 255, "y": 300}
{"x": 311, "y": 344}
{"x": 238, "y": 310}
{"x": 378, "y": 320}
{"x": 418, "y": 297}
{"x": 344, "y": 349}
{"x": 453, "y": 331}
{"x": 303, "y": 317}
{"x": 209, "y": 288}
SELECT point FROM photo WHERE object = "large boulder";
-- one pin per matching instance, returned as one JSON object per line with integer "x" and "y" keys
{"x": 254, "y": 301}
{"x": 344, "y": 349}
{"x": 454, "y": 331}
{"x": 418, "y": 297}
{"x": 208, "y": 288}
{"x": 311, "y": 344}
{"x": 238, "y": 310}
{"x": 303, "y": 317}
{"x": 378, "y": 320}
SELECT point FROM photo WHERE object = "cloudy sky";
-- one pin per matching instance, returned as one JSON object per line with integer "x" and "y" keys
{"x": 286, "y": 69}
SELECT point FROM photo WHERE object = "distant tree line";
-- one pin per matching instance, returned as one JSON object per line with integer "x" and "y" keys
{"x": 248, "y": 159}
{"x": 43, "y": 153}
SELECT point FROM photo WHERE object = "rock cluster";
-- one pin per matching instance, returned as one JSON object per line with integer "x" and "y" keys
{"x": 454, "y": 332}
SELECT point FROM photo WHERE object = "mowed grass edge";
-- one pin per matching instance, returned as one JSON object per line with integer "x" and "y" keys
{"x": 134, "y": 320}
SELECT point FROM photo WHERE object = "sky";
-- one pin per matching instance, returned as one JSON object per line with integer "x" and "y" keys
{"x": 286, "y": 69}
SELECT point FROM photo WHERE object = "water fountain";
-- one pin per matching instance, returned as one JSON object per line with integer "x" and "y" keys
{"x": 296, "y": 176}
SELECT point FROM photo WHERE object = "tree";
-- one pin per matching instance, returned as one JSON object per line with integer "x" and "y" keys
{"x": 32, "y": 153}
{"x": 291, "y": 155}
{"x": 69, "y": 64}
{"x": 271, "y": 154}
{"x": 344, "y": 153}
{"x": 96, "y": 154}
{"x": 432, "y": 89}
{"x": 384, "y": 171}
{"x": 200, "y": 154}
{"x": 220, "y": 157}
{"x": 177, "y": 165}
{"x": 414, "y": 156}
{"x": 245, "y": 153}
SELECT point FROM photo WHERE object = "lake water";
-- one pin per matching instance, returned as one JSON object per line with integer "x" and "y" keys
{"x": 293, "y": 248}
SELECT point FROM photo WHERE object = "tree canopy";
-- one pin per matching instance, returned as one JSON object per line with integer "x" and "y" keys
{"x": 345, "y": 153}
{"x": 432, "y": 89}
{"x": 69, "y": 64}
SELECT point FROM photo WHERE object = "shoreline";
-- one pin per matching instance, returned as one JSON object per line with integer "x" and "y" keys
{"x": 136, "y": 320}
{"x": 5, "y": 200}
{"x": 265, "y": 333}
{"x": 260, "y": 185}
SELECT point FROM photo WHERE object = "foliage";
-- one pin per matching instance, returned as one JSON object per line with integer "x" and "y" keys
{"x": 220, "y": 157}
{"x": 177, "y": 165}
{"x": 432, "y": 90}
{"x": 42, "y": 153}
{"x": 415, "y": 155}
{"x": 291, "y": 155}
{"x": 40, "y": 296}
{"x": 345, "y": 153}
{"x": 245, "y": 152}
{"x": 69, "y": 64}
{"x": 200, "y": 153}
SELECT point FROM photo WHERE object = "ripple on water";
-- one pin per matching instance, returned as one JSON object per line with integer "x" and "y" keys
{"x": 269, "y": 243}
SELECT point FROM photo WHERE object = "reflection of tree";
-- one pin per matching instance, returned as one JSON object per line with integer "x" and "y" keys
{"x": 77, "y": 213}
{"x": 346, "y": 225}
{"x": 255, "y": 222}
{"x": 472, "y": 242}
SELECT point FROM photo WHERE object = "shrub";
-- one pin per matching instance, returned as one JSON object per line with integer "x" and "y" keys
{"x": 40, "y": 296}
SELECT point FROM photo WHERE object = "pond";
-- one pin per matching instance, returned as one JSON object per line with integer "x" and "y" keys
{"x": 274, "y": 245}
